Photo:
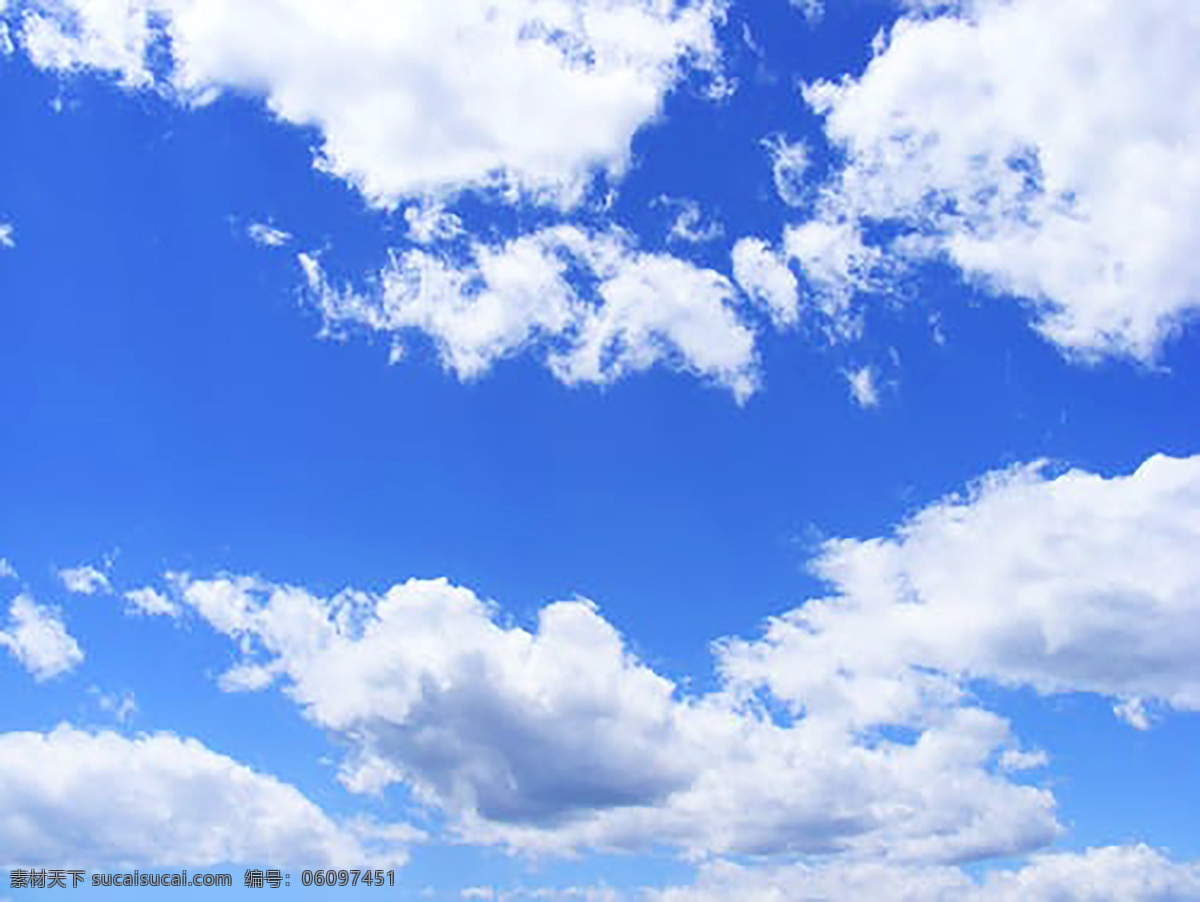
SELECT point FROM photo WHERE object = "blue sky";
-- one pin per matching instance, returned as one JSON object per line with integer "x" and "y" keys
{"x": 603, "y": 450}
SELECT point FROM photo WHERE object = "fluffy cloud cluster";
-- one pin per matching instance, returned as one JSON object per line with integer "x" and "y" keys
{"x": 1076, "y": 583}
{"x": 73, "y": 798}
{"x": 39, "y": 640}
{"x": 414, "y": 98}
{"x": 1048, "y": 151}
{"x": 601, "y": 307}
{"x": 558, "y": 738}
{"x": 1113, "y": 874}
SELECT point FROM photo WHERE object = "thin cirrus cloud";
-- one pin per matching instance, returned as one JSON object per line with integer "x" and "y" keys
{"x": 1045, "y": 151}
{"x": 78, "y": 798}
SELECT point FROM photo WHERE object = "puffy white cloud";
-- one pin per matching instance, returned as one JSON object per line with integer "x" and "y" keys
{"x": 836, "y": 265}
{"x": 111, "y": 35}
{"x": 7, "y": 570}
{"x": 150, "y": 601}
{"x": 38, "y": 638}
{"x": 1051, "y": 152}
{"x": 6, "y": 229}
{"x": 422, "y": 97}
{"x": 1064, "y": 584}
{"x": 599, "y": 306}
{"x": 96, "y": 799}
{"x": 1110, "y": 874}
{"x": 430, "y": 221}
{"x": 84, "y": 580}
{"x": 268, "y": 235}
{"x": 863, "y": 386}
{"x": 557, "y": 738}
{"x": 765, "y": 277}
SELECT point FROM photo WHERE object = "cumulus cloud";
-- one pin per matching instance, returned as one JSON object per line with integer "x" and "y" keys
{"x": 430, "y": 221}
{"x": 6, "y": 235}
{"x": 598, "y": 306}
{"x": 848, "y": 726}
{"x": 150, "y": 601}
{"x": 1042, "y": 150}
{"x": 39, "y": 640}
{"x": 268, "y": 235}
{"x": 837, "y": 265}
{"x": 1111, "y": 874}
{"x": 98, "y": 799}
{"x": 424, "y": 97}
{"x": 84, "y": 580}
{"x": 558, "y": 738}
{"x": 1074, "y": 583}
{"x": 864, "y": 387}
{"x": 765, "y": 277}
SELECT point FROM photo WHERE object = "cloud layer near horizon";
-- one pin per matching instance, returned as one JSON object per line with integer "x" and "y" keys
{"x": 75, "y": 798}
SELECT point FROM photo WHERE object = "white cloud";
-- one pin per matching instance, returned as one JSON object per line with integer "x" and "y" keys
{"x": 689, "y": 224}
{"x": 84, "y": 580}
{"x": 101, "y": 799}
{"x": 152, "y": 602}
{"x": 557, "y": 739}
{"x": 599, "y": 307}
{"x": 121, "y": 706}
{"x": 1110, "y": 874}
{"x": 268, "y": 235}
{"x": 863, "y": 386}
{"x": 428, "y": 96}
{"x": 1070, "y": 584}
{"x": 765, "y": 277}
{"x": 38, "y": 638}
{"x": 6, "y": 229}
{"x": 789, "y": 166}
{"x": 1041, "y": 149}
{"x": 836, "y": 265}
{"x": 429, "y": 221}
{"x": 7, "y": 570}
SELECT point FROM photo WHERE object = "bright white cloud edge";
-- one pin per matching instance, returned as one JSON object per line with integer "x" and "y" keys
{"x": 628, "y": 311}
{"x": 1039, "y": 150}
{"x": 423, "y": 98}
